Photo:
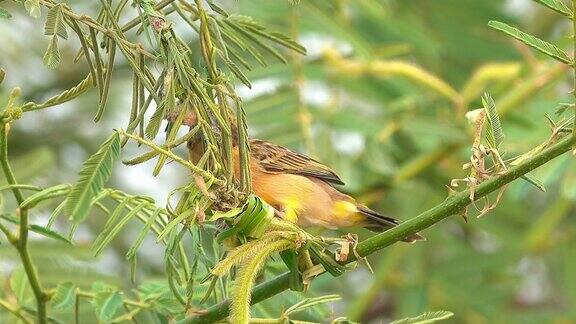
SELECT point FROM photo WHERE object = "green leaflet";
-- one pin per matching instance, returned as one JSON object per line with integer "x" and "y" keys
{"x": 64, "y": 96}
{"x": 20, "y": 286}
{"x": 131, "y": 254}
{"x": 48, "y": 193}
{"x": 33, "y": 8}
{"x": 55, "y": 23}
{"x": 64, "y": 297}
{"x": 217, "y": 8}
{"x": 51, "y": 57}
{"x": 95, "y": 172}
{"x": 558, "y": 6}
{"x": 106, "y": 304}
{"x": 425, "y": 318}
{"x": 109, "y": 233}
{"x": 5, "y": 14}
{"x": 311, "y": 302}
{"x": 532, "y": 41}
{"x": 534, "y": 181}
{"x": 54, "y": 27}
{"x": 156, "y": 120}
{"x": 494, "y": 133}
{"x": 141, "y": 158}
{"x": 252, "y": 221}
{"x": 49, "y": 233}
{"x": 44, "y": 231}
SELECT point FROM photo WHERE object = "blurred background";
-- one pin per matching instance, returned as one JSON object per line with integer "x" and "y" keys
{"x": 381, "y": 97}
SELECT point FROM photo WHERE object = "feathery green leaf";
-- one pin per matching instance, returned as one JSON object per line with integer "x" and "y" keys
{"x": 33, "y": 8}
{"x": 311, "y": 302}
{"x": 425, "y": 318}
{"x": 95, "y": 172}
{"x": 532, "y": 41}
{"x": 106, "y": 304}
{"x": 494, "y": 131}
{"x": 52, "y": 55}
{"x": 557, "y": 5}
{"x": 55, "y": 23}
{"x": 534, "y": 181}
{"x": 64, "y": 297}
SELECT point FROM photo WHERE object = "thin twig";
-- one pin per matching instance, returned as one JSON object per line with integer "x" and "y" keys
{"x": 21, "y": 243}
{"x": 176, "y": 158}
{"x": 88, "y": 21}
{"x": 14, "y": 311}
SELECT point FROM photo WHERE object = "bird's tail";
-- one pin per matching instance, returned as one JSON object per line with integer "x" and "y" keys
{"x": 380, "y": 223}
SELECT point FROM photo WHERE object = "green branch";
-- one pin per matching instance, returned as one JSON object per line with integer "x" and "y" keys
{"x": 452, "y": 205}
{"x": 21, "y": 242}
{"x": 14, "y": 311}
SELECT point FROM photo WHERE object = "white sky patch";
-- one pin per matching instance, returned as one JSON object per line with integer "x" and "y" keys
{"x": 349, "y": 143}
{"x": 486, "y": 242}
{"x": 316, "y": 94}
{"x": 316, "y": 44}
{"x": 259, "y": 87}
{"x": 534, "y": 285}
{"x": 74, "y": 155}
{"x": 518, "y": 7}
{"x": 140, "y": 181}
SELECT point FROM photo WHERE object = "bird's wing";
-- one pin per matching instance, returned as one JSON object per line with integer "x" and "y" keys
{"x": 278, "y": 159}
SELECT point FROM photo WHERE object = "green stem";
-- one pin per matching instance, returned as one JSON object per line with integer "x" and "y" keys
{"x": 205, "y": 174}
{"x": 15, "y": 311}
{"x": 21, "y": 244}
{"x": 452, "y": 205}
{"x": 11, "y": 238}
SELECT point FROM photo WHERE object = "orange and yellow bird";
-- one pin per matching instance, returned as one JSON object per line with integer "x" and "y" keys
{"x": 302, "y": 190}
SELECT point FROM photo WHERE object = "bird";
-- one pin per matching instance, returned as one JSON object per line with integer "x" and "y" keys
{"x": 301, "y": 189}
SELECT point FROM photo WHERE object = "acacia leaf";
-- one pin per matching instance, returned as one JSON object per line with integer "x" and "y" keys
{"x": 106, "y": 304}
{"x": 55, "y": 23}
{"x": 558, "y": 6}
{"x": 95, "y": 172}
{"x": 33, "y": 8}
{"x": 52, "y": 55}
{"x": 532, "y": 41}
{"x": 64, "y": 297}
{"x": 311, "y": 302}
{"x": 495, "y": 133}
{"x": 49, "y": 233}
{"x": 429, "y": 317}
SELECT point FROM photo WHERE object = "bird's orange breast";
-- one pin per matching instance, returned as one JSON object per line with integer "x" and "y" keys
{"x": 311, "y": 201}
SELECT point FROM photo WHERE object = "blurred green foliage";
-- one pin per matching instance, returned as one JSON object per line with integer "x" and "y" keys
{"x": 396, "y": 140}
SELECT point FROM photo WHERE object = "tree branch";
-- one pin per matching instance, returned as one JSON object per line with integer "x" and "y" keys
{"x": 21, "y": 242}
{"x": 452, "y": 205}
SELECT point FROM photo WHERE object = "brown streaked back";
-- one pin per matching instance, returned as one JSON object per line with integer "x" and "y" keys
{"x": 278, "y": 159}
